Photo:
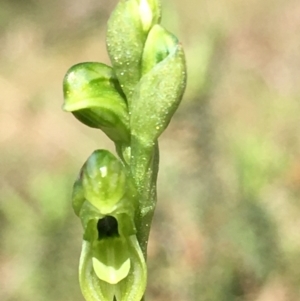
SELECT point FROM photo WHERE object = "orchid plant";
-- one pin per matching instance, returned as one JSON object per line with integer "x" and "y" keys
{"x": 132, "y": 102}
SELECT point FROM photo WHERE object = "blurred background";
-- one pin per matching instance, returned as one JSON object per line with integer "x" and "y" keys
{"x": 228, "y": 217}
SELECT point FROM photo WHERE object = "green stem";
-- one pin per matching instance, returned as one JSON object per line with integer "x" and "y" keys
{"x": 144, "y": 169}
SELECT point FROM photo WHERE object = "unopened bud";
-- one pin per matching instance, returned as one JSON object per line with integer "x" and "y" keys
{"x": 160, "y": 90}
{"x": 127, "y": 31}
{"x": 92, "y": 93}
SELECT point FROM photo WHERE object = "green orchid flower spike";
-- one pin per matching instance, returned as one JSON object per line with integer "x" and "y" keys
{"x": 132, "y": 102}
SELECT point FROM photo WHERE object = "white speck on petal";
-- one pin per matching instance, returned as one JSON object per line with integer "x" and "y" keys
{"x": 103, "y": 171}
{"x": 71, "y": 76}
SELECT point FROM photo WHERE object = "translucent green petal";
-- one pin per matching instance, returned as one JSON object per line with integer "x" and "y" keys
{"x": 111, "y": 261}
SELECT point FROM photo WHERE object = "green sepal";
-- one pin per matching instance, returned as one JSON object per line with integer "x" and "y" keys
{"x": 77, "y": 196}
{"x": 160, "y": 90}
{"x": 92, "y": 93}
{"x": 127, "y": 31}
{"x": 104, "y": 180}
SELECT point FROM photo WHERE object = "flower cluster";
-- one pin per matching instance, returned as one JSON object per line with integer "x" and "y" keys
{"x": 132, "y": 102}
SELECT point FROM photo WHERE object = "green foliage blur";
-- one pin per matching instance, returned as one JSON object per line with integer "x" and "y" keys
{"x": 227, "y": 221}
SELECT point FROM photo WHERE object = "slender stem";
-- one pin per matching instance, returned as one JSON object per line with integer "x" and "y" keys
{"x": 144, "y": 169}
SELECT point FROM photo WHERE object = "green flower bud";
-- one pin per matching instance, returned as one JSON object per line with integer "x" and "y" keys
{"x": 160, "y": 90}
{"x": 159, "y": 44}
{"x": 127, "y": 31}
{"x": 149, "y": 13}
{"x": 92, "y": 93}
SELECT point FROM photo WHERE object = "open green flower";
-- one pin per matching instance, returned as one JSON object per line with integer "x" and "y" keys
{"x": 112, "y": 263}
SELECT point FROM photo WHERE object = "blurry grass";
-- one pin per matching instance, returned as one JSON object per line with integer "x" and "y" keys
{"x": 227, "y": 220}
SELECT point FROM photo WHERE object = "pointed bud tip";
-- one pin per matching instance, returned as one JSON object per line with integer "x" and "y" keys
{"x": 146, "y": 14}
{"x": 159, "y": 45}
